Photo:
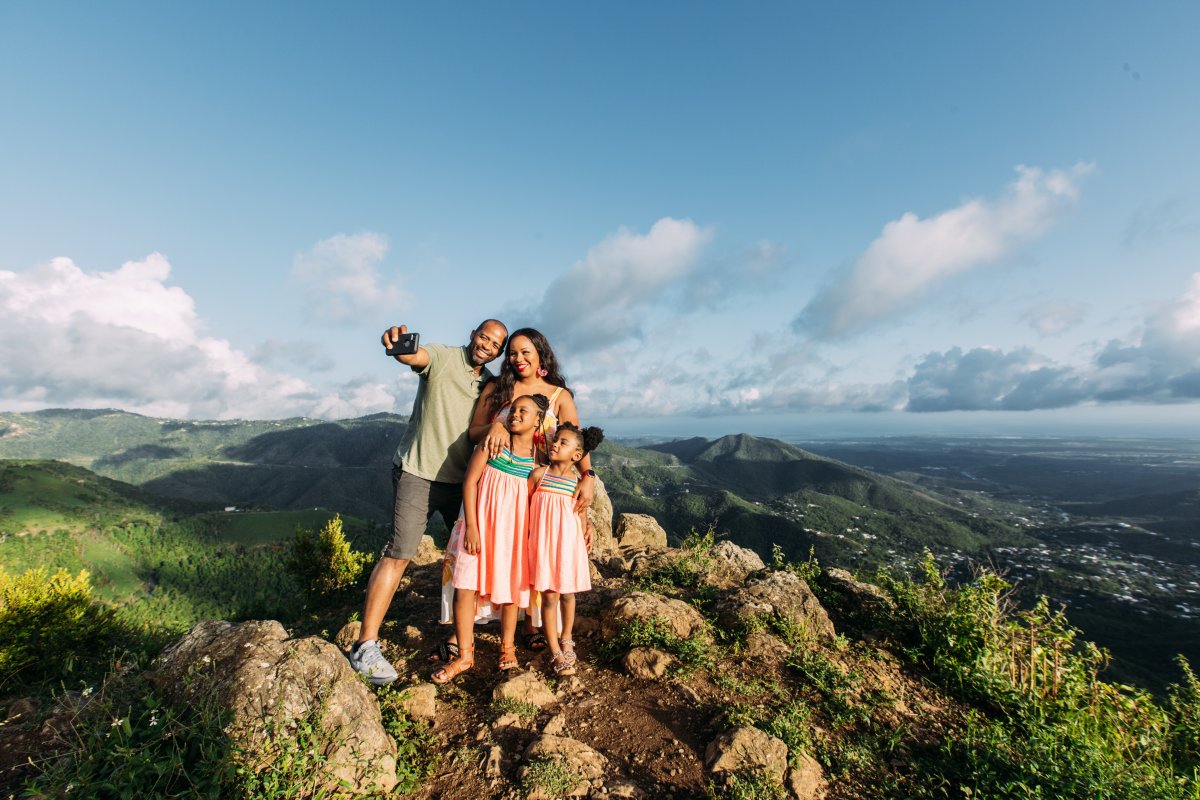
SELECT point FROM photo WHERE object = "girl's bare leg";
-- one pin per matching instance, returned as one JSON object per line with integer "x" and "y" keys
{"x": 550, "y": 619}
{"x": 568, "y": 613}
{"x": 464, "y": 619}
{"x": 508, "y": 623}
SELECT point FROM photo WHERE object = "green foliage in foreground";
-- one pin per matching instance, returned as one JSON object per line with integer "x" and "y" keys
{"x": 1041, "y": 722}
{"x": 52, "y": 629}
{"x": 692, "y": 652}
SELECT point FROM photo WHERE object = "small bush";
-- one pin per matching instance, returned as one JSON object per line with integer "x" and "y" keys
{"x": 551, "y": 777}
{"x": 52, "y": 628}
{"x": 323, "y": 562}
{"x": 509, "y": 705}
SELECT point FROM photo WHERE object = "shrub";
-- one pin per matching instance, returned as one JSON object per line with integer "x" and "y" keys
{"x": 418, "y": 751}
{"x": 553, "y": 778}
{"x": 323, "y": 562}
{"x": 51, "y": 627}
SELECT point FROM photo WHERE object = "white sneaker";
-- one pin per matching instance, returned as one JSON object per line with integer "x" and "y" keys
{"x": 367, "y": 660}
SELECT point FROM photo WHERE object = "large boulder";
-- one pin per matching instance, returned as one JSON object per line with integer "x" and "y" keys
{"x": 600, "y": 514}
{"x": 640, "y": 530}
{"x": 269, "y": 683}
{"x": 777, "y": 592}
{"x": 862, "y": 603}
{"x": 747, "y": 749}
{"x": 683, "y": 620}
{"x": 732, "y": 564}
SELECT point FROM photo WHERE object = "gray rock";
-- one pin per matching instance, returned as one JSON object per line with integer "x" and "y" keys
{"x": 427, "y": 552}
{"x": 348, "y": 635}
{"x": 856, "y": 598}
{"x": 734, "y": 563}
{"x": 268, "y": 681}
{"x": 682, "y": 620}
{"x": 576, "y": 756}
{"x": 747, "y": 748}
{"x": 778, "y": 592}
{"x": 600, "y": 514}
{"x": 525, "y": 687}
{"x": 640, "y": 530}
{"x": 648, "y": 663}
{"x": 420, "y": 701}
{"x": 806, "y": 780}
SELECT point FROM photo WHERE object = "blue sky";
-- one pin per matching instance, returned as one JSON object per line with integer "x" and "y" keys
{"x": 725, "y": 216}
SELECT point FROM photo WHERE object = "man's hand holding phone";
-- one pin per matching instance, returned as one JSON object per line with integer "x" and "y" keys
{"x": 397, "y": 341}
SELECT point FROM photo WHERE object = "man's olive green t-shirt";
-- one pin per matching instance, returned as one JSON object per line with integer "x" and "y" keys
{"x": 435, "y": 445}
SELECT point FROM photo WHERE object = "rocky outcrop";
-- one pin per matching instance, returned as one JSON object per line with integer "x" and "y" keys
{"x": 747, "y": 749}
{"x": 574, "y": 756}
{"x": 268, "y": 683}
{"x": 600, "y": 514}
{"x": 864, "y": 604}
{"x": 683, "y": 620}
{"x": 639, "y": 530}
{"x": 777, "y": 592}
{"x": 732, "y": 564}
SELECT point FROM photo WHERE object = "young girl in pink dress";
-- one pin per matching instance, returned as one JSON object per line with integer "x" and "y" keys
{"x": 558, "y": 539}
{"x": 491, "y": 562}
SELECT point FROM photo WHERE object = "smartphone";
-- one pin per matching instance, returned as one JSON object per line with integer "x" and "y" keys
{"x": 406, "y": 345}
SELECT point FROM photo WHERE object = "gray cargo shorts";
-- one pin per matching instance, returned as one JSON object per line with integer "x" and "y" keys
{"x": 414, "y": 500}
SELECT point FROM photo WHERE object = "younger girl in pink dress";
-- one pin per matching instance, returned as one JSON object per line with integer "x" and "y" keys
{"x": 491, "y": 562}
{"x": 558, "y": 539}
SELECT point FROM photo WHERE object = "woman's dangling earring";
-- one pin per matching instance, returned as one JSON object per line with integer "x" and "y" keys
{"x": 542, "y": 372}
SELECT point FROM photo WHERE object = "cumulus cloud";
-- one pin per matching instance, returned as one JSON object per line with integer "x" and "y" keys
{"x": 1162, "y": 365}
{"x": 341, "y": 280}
{"x": 1055, "y": 317}
{"x": 126, "y": 339}
{"x": 912, "y": 256}
{"x": 613, "y": 292}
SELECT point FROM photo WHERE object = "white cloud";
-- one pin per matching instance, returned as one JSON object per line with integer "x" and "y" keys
{"x": 912, "y": 256}
{"x": 1160, "y": 366}
{"x": 125, "y": 339}
{"x": 341, "y": 279}
{"x": 602, "y": 298}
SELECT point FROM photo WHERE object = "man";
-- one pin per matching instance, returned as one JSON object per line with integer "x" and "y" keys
{"x": 428, "y": 469}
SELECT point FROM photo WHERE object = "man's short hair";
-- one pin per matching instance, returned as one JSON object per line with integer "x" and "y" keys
{"x": 487, "y": 322}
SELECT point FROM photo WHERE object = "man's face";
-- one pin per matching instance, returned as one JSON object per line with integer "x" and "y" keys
{"x": 485, "y": 344}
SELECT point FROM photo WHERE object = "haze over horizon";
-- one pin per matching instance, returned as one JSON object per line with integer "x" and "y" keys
{"x": 788, "y": 220}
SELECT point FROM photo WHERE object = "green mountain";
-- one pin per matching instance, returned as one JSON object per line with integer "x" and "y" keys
{"x": 762, "y": 492}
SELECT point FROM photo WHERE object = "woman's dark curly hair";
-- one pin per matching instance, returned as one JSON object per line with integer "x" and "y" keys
{"x": 589, "y": 437}
{"x": 508, "y": 376}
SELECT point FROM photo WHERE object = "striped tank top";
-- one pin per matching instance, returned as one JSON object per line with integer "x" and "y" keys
{"x": 511, "y": 464}
{"x": 556, "y": 485}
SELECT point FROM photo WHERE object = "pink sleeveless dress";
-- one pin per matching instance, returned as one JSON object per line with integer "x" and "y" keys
{"x": 557, "y": 550}
{"x": 499, "y": 572}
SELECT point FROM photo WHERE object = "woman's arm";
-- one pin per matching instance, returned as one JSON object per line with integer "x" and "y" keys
{"x": 475, "y": 468}
{"x": 586, "y": 489}
{"x": 493, "y": 434}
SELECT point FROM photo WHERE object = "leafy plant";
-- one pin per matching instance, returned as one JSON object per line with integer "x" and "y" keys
{"x": 323, "y": 562}
{"x": 552, "y": 777}
{"x": 51, "y": 627}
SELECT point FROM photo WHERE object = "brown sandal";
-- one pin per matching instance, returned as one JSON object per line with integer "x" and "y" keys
{"x": 564, "y": 663}
{"x": 455, "y": 668}
{"x": 508, "y": 657}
